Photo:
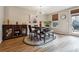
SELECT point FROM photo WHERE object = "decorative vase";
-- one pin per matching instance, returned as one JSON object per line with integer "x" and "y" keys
{"x": 40, "y": 24}
{"x": 8, "y": 21}
{"x": 16, "y": 22}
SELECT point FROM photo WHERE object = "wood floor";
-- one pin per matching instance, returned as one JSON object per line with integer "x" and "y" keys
{"x": 16, "y": 45}
{"x": 62, "y": 43}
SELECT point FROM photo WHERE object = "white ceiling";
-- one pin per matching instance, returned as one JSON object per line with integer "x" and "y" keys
{"x": 46, "y": 9}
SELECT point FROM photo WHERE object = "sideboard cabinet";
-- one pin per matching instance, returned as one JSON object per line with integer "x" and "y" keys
{"x": 13, "y": 31}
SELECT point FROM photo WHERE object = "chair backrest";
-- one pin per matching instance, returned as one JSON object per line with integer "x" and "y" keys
{"x": 30, "y": 28}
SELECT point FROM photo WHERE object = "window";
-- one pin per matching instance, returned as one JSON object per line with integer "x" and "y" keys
{"x": 75, "y": 22}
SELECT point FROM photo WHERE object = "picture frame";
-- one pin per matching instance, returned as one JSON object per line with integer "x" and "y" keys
{"x": 55, "y": 23}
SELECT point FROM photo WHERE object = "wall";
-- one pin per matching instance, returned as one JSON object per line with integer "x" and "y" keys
{"x": 16, "y": 14}
{"x": 21, "y": 15}
{"x": 65, "y": 25}
{"x": 62, "y": 27}
{"x": 1, "y": 21}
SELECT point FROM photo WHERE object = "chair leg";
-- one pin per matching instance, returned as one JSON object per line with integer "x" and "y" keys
{"x": 35, "y": 36}
{"x": 40, "y": 37}
{"x": 44, "y": 38}
{"x": 30, "y": 36}
{"x": 48, "y": 35}
{"x": 54, "y": 37}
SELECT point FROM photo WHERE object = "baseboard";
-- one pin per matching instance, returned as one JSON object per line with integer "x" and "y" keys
{"x": 74, "y": 35}
{"x": 67, "y": 34}
{"x": 61, "y": 33}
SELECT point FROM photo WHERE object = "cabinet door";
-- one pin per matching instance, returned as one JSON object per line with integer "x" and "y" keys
{"x": 24, "y": 30}
{"x": 7, "y": 32}
{"x": 17, "y": 31}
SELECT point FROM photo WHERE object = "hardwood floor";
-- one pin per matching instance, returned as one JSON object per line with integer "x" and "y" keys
{"x": 16, "y": 45}
{"x": 62, "y": 43}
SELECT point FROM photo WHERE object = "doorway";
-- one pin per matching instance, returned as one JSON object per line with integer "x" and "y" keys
{"x": 75, "y": 23}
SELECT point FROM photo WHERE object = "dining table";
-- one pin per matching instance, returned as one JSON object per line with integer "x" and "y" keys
{"x": 37, "y": 37}
{"x": 40, "y": 30}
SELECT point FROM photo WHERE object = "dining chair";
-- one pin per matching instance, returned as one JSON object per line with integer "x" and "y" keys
{"x": 40, "y": 34}
{"x": 32, "y": 33}
{"x": 49, "y": 34}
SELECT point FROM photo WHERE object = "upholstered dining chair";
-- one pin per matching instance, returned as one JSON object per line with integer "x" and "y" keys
{"x": 40, "y": 34}
{"x": 32, "y": 32}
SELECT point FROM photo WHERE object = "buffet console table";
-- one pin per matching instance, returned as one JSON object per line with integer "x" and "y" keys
{"x": 14, "y": 31}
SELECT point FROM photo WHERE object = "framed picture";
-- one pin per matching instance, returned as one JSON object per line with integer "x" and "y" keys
{"x": 55, "y": 23}
{"x": 55, "y": 17}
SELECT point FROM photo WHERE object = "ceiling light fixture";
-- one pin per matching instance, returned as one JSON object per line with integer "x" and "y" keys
{"x": 40, "y": 10}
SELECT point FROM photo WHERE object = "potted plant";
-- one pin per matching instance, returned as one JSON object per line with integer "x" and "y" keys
{"x": 47, "y": 23}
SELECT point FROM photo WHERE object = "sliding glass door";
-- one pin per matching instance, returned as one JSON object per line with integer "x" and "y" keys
{"x": 75, "y": 23}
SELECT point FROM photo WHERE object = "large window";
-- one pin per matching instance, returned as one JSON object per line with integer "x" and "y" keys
{"x": 75, "y": 22}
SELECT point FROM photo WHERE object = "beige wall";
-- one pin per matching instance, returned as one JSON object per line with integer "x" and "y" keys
{"x": 15, "y": 14}
{"x": 1, "y": 21}
{"x": 65, "y": 25}
{"x": 21, "y": 15}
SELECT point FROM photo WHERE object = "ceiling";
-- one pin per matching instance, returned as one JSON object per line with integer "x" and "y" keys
{"x": 45, "y": 9}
